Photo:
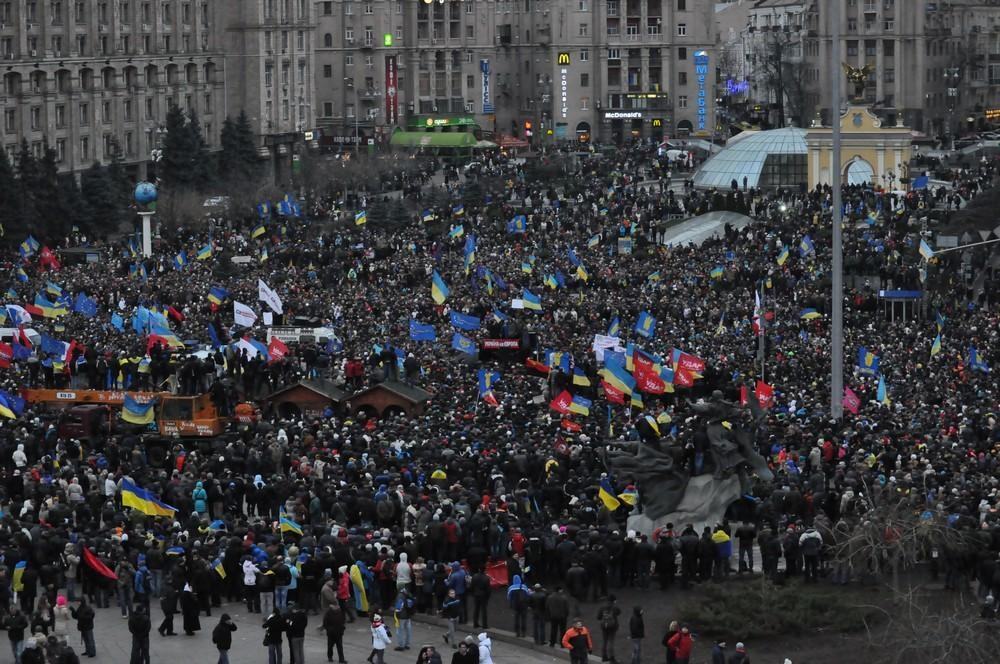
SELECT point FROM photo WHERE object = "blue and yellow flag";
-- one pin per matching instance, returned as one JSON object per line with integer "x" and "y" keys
{"x": 607, "y": 495}
{"x": 976, "y": 362}
{"x": 17, "y": 580}
{"x": 456, "y": 232}
{"x": 616, "y": 376}
{"x": 458, "y": 210}
{"x": 361, "y": 218}
{"x": 806, "y": 246}
{"x": 867, "y": 362}
{"x": 809, "y": 314}
{"x": 783, "y": 256}
{"x": 593, "y": 241}
{"x": 289, "y": 526}
{"x": 217, "y": 294}
{"x": 134, "y": 412}
{"x": 582, "y": 273}
{"x": 531, "y": 301}
{"x": 22, "y": 276}
{"x": 936, "y": 345}
{"x": 645, "y": 325}
{"x": 580, "y": 378}
{"x": 258, "y": 231}
{"x": 439, "y": 290}
{"x": 205, "y": 252}
{"x": 716, "y": 272}
{"x": 629, "y": 496}
{"x": 218, "y": 567}
{"x": 580, "y": 405}
{"x": 50, "y": 309}
{"x": 925, "y": 250}
{"x": 614, "y": 326}
{"x": 882, "y": 393}
{"x": 140, "y": 499}
{"x": 180, "y": 260}
{"x": 463, "y": 344}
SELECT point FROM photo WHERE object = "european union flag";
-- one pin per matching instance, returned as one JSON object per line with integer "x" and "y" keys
{"x": 573, "y": 258}
{"x": 84, "y": 305}
{"x": 118, "y": 322}
{"x": 422, "y": 331}
{"x": 464, "y": 321}
{"x": 463, "y": 344}
{"x": 518, "y": 224}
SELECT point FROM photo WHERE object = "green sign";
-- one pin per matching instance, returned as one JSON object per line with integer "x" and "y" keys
{"x": 387, "y": 39}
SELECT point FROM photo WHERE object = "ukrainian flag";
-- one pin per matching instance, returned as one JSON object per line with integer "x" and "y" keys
{"x": 629, "y": 496}
{"x": 263, "y": 209}
{"x": 5, "y": 408}
{"x": 134, "y": 412}
{"x": 653, "y": 424}
{"x": 654, "y": 277}
{"x": 882, "y": 395}
{"x": 716, "y": 272}
{"x": 582, "y": 273}
{"x": 783, "y": 256}
{"x": 526, "y": 268}
{"x": 456, "y": 232}
{"x": 55, "y": 290}
{"x": 219, "y": 569}
{"x": 593, "y": 241}
{"x": 258, "y": 231}
{"x": 977, "y": 363}
{"x": 809, "y": 314}
{"x": 550, "y": 281}
{"x": 531, "y": 301}
{"x": 138, "y": 498}
{"x": 936, "y": 346}
{"x": 50, "y": 309}
{"x": 806, "y": 246}
{"x": 607, "y": 495}
{"x": 580, "y": 378}
{"x": 180, "y": 260}
{"x": 17, "y": 581}
{"x": 361, "y": 218}
{"x": 580, "y": 405}
{"x": 289, "y": 526}
{"x": 217, "y": 294}
{"x": 439, "y": 290}
{"x": 263, "y": 254}
{"x": 458, "y": 210}
{"x": 629, "y": 351}
{"x": 426, "y": 215}
{"x": 22, "y": 276}
{"x": 925, "y": 250}
{"x": 636, "y": 400}
{"x": 616, "y": 376}
{"x": 205, "y": 252}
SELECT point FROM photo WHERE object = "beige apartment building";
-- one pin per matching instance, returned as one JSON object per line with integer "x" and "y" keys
{"x": 85, "y": 74}
{"x": 935, "y": 64}
{"x": 577, "y": 70}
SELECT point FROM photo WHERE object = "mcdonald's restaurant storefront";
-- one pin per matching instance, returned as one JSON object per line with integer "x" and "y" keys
{"x": 629, "y": 126}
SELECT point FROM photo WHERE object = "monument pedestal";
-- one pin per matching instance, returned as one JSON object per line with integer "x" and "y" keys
{"x": 704, "y": 504}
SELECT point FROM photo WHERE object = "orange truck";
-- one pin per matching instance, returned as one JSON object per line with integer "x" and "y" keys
{"x": 184, "y": 416}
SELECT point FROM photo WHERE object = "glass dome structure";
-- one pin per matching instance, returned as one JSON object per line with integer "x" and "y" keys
{"x": 768, "y": 159}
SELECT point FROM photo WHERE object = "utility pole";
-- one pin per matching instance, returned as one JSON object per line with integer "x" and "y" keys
{"x": 837, "y": 323}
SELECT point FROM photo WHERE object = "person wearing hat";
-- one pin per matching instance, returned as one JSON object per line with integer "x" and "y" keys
{"x": 273, "y": 628}
{"x": 577, "y": 640}
{"x": 138, "y": 627}
{"x": 381, "y": 639}
{"x": 334, "y": 624}
{"x": 740, "y": 656}
{"x": 222, "y": 637}
{"x": 537, "y": 605}
{"x": 719, "y": 652}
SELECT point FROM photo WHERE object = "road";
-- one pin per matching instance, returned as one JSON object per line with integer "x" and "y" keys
{"x": 114, "y": 642}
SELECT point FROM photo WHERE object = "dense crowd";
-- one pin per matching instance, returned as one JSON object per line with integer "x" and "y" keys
{"x": 488, "y": 490}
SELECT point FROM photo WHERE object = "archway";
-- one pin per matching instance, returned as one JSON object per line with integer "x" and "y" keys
{"x": 859, "y": 172}
{"x": 391, "y": 412}
{"x": 684, "y": 127}
{"x": 365, "y": 412}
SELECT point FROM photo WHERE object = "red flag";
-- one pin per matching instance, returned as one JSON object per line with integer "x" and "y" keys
{"x": 48, "y": 259}
{"x": 277, "y": 349}
{"x": 765, "y": 394}
{"x": 6, "y": 355}
{"x": 851, "y": 401}
{"x": 689, "y": 362}
{"x": 570, "y": 426}
{"x": 561, "y": 403}
{"x": 34, "y": 311}
{"x": 560, "y": 446}
{"x": 541, "y": 367}
{"x": 175, "y": 314}
{"x": 94, "y": 563}
{"x": 613, "y": 394}
{"x": 22, "y": 337}
{"x": 646, "y": 377}
{"x": 683, "y": 377}
{"x": 491, "y": 399}
{"x": 743, "y": 395}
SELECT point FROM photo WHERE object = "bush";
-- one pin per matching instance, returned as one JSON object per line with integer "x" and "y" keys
{"x": 767, "y": 610}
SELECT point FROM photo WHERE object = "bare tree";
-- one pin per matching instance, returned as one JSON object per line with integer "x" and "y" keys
{"x": 783, "y": 76}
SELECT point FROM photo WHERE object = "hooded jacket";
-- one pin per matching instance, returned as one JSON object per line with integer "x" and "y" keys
{"x": 577, "y": 640}
{"x": 380, "y": 636}
{"x": 485, "y": 649}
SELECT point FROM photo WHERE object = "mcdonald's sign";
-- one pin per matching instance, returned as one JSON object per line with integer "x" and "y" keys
{"x": 562, "y": 58}
{"x": 657, "y": 122}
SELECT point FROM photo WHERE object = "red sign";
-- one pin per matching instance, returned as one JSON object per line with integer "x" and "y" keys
{"x": 851, "y": 401}
{"x": 765, "y": 394}
{"x": 501, "y": 344}
{"x": 391, "y": 91}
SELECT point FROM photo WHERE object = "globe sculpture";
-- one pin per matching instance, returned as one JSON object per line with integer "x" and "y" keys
{"x": 145, "y": 193}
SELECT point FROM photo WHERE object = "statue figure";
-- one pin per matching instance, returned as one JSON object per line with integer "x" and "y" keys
{"x": 859, "y": 77}
{"x": 722, "y": 447}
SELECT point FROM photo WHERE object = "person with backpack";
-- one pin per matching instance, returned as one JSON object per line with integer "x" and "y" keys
{"x": 381, "y": 639}
{"x": 222, "y": 637}
{"x": 403, "y": 610}
{"x": 282, "y": 580}
{"x": 607, "y": 617}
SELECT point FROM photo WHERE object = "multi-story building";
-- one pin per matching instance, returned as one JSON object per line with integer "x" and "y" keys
{"x": 573, "y": 69}
{"x": 934, "y": 64}
{"x": 88, "y": 74}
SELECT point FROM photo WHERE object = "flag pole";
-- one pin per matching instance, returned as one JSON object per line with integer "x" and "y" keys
{"x": 761, "y": 341}
{"x": 837, "y": 278}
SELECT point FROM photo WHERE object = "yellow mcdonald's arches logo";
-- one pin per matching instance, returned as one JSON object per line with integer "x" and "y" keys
{"x": 562, "y": 58}
{"x": 657, "y": 122}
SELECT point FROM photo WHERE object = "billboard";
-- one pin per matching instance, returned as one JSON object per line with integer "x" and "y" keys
{"x": 484, "y": 67}
{"x": 391, "y": 91}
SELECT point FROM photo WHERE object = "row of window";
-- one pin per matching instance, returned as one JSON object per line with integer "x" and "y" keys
{"x": 126, "y": 145}
{"x": 106, "y": 114}
{"x": 270, "y": 41}
{"x": 101, "y": 46}
{"x": 54, "y": 11}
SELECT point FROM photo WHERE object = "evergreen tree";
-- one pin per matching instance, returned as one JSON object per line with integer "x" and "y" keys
{"x": 97, "y": 205}
{"x": 8, "y": 198}
{"x": 77, "y": 208}
{"x": 119, "y": 191}
{"x": 238, "y": 158}
{"x": 199, "y": 158}
{"x": 177, "y": 168}
{"x": 50, "y": 203}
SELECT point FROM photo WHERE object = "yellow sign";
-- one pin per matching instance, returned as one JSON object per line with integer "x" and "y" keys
{"x": 992, "y": 114}
{"x": 562, "y": 58}
{"x": 657, "y": 122}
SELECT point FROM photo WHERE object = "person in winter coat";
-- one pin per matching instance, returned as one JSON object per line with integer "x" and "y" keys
{"x": 403, "y": 610}
{"x": 138, "y": 626}
{"x": 518, "y": 596}
{"x": 380, "y": 640}
{"x": 200, "y": 498}
{"x": 577, "y": 640}
{"x": 557, "y": 612}
{"x": 273, "y": 627}
{"x": 485, "y": 649}
{"x": 297, "y": 622}
{"x": 719, "y": 653}
{"x": 811, "y": 545}
{"x": 222, "y": 637}
{"x": 344, "y": 593}
{"x": 189, "y": 610}
{"x": 168, "y": 604}
{"x": 607, "y": 618}
{"x": 84, "y": 615}
{"x": 537, "y": 604}
{"x": 480, "y": 589}
{"x": 465, "y": 654}
{"x": 450, "y": 609}
{"x": 740, "y": 656}
{"x": 250, "y": 592}
{"x": 458, "y": 581}
{"x": 636, "y": 633}
{"x": 681, "y": 643}
{"x": 334, "y": 624}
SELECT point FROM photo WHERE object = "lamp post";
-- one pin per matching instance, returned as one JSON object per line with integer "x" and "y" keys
{"x": 837, "y": 277}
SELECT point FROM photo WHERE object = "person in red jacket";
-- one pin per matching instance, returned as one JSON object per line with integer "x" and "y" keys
{"x": 681, "y": 643}
{"x": 577, "y": 640}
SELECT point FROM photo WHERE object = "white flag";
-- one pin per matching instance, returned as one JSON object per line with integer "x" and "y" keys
{"x": 268, "y": 296}
{"x": 243, "y": 315}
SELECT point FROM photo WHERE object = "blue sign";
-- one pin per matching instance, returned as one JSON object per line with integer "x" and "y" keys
{"x": 484, "y": 66}
{"x": 701, "y": 74}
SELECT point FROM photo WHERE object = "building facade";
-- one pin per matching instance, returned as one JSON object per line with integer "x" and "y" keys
{"x": 89, "y": 75}
{"x": 935, "y": 64}
{"x": 555, "y": 69}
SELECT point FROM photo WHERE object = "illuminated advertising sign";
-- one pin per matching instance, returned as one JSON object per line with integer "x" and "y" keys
{"x": 701, "y": 76}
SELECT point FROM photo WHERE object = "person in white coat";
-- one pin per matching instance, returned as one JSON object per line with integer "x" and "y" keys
{"x": 381, "y": 639}
{"x": 485, "y": 649}
{"x": 250, "y": 586}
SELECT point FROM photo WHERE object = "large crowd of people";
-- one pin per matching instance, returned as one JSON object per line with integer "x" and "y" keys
{"x": 496, "y": 482}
